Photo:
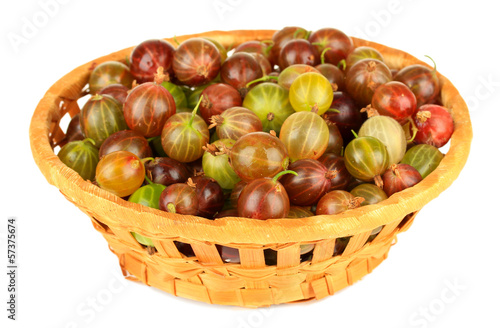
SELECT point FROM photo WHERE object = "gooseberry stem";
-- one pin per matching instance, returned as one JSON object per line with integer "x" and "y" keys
{"x": 300, "y": 30}
{"x": 193, "y": 114}
{"x": 262, "y": 79}
{"x": 89, "y": 140}
{"x": 355, "y": 134}
{"x": 323, "y": 55}
{"x": 175, "y": 40}
{"x": 343, "y": 64}
{"x": 434, "y": 70}
{"x": 277, "y": 176}
{"x": 335, "y": 110}
{"x": 414, "y": 129}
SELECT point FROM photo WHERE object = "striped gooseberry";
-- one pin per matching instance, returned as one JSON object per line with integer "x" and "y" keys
{"x": 366, "y": 158}
{"x": 425, "y": 158}
{"x": 166, "y": 171}
{"x": 216, "y": 165}
{"x": 120, "y": 172}
{"x": 210, "y": 195}
{"x": 289, "y": 74}
{"x": 147, "y": 56}
{"x": 240, "y": 69}
{"x": 396, "y": 100}
{"x": 422, "y": 81}
{"x": 434, "y": 124}
{"x": 258, "y": 155}
{"x": 179, "y": 198}
{"x": 312, "y": 181}
{"x": 364, "y": 77}
{"x": 360, "y": 53}
{"x": 389, "y": 132}
{"x": 148, "y": 106}
{"x": 128, "y": 140}
{"x": 399, "y": 177}
{"x": 264, "y": 198}
{"x": 235, "y": 122}
{"x": 82, "y": 156}
{"x": 270, "y": 102}
{"x": 370, "y": 193}
{"x": 305, "y": 135}
{"x": 184, "y": 136}
{"x": 311, "y": 91}
{"x": 217, "y": 98}
{"x": 109, "y": 72}
{"x": 339, "y": 44}
{"x": 337, "y": 201}
{"x": 196, "y": 62}
{"x": 101, "y": 116}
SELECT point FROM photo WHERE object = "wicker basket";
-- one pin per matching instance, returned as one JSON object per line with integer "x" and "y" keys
{"x": 203, "y": 275}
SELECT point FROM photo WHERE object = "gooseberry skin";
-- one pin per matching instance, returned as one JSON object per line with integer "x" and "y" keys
{"x": 424, "y": 158}
{"x": 101, "y": 116}
{"x": 366, "y": 158}
{"x": 297, "y": 212}
{"x": 117, "y": 91}
{"x": 147, "y": 56}
{"x": 263, "y": 199}
{"x": 220, "y": 47}
{"x": 312, "y": 181}
{"x": 396, "y": 100}
{"x": 339, "y": 43}
{"x": 235, "y": 122}
{"x": 335, "y": 141}
{"x": 333, "y": 74}
{"x": 128, "y": 140}
{"x": 311, "y": 91}
{"x": 147, "y": 108}
{"x": 74, "y": 130}
{"x": 389, "y": 132}
{"x": 184, "y": 136}
{"x": 217, "y": 166}
{"x": 196, "y": 62}
{"x": 422, "y": 81}
{"x": 217, "y": 98}
{"x": 370, "y": 193}
{"x": 235, "y": 193}
{"x": 148, "y": 195}
{"x": 180, "y": 195}
{"x": 240, "y": 69}
{"x": 434, "y": 124}
{"x": 109, "y": 72}
{"x": 336, "y": 163}
{"x": 210, "y": 196}
{"x": 177, "y": 93}
{"x": 167, "y": 171}
{"x": 348, "y": 117}
{"x": 81, "y": 156}
{"x": 120, "y": 172}
{"x": 281, "y": 37}
{"x": 305, "y": 135}
{"x": 335, "y": 202}
{"x": 360, "y": 53}
{"x": 254, "y": 47}
{"x": 298, "y": 51}
{"x": 364, "y": 77}
{"x": 264, "y": 63}
{"x": 399, "y": 177}
{"x": 289, "y": 74}
{"x": 258, "y": 155}
{"x": 270, "y": 102}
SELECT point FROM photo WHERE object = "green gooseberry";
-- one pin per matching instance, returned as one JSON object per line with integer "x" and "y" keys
{"x": 82, "y": 156}
{"x": 424, "y": 158}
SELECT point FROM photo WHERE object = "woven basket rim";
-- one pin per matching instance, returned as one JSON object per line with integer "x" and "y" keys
{"x": 158, "y": 224}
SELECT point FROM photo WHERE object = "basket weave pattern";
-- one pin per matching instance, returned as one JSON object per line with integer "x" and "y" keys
{"x": 203, "y": 275}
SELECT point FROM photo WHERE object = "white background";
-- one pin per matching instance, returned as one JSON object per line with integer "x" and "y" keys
{"x": 64, "y": 263}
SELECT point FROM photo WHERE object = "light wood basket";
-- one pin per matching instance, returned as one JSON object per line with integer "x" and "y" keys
{"x": 204, "y": 276}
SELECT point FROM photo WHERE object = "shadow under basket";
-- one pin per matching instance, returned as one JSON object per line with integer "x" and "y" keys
{"x": 239, "y": 261}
